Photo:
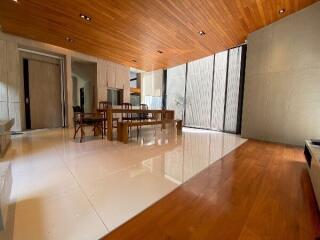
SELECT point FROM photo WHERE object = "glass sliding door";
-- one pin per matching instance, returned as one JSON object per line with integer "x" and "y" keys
{"x": 233, "y": 88}
{"x": 219, "y": 90}
{"x": 207, "y": 93}
{"x": 199, "y": 93}
{"x": 176, "y": 80}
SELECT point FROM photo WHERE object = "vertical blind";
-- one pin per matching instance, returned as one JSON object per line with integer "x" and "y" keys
{"x": 205, "y": 93}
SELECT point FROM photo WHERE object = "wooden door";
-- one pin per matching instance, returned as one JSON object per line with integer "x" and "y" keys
{"x": 45, "y": 95}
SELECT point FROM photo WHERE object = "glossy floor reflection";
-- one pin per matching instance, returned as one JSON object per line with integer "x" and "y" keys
{"x": 67, "y": 190}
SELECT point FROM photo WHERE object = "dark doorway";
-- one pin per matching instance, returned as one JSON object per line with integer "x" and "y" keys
{"x": 82, "y": 99}
{"x": 26, "y": 92}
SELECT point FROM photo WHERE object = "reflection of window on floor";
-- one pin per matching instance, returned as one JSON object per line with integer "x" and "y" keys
{"x": 153, "y": 102}
{"x": 114, "y": 96}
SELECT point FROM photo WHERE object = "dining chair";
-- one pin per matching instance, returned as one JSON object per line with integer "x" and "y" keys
{"x": 128, "y": 116}
{"x": 81, "y": 120}
{"x": 146, "y": 116}
{"x": 143, "y": 116}
{"x": 105, "y": 105}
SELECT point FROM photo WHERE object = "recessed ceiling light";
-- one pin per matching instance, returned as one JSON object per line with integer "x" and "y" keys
{"x": 16, "y": 1}
{"x": 68, "y": 39}
{"x": 282, "y": 11}
{"x": 85, "y": 17}
{"x": 159, "y": 51}
{"x": 202, "y": 33}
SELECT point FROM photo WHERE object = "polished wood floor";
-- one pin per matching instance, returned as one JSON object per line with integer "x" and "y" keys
{"x": 258, "y": 191}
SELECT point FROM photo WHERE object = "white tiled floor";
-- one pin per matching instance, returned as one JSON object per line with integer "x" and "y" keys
{"x": 66, "y": 190}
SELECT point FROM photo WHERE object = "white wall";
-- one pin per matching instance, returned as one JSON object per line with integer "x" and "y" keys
{"x": 9, "y": 82}
{"x": 282, "y": 85}
{"x": 109, "y": 74}
{"x": 151, "y": 84}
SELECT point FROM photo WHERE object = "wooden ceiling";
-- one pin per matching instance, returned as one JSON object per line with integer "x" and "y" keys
{"x": 131, "y": 32}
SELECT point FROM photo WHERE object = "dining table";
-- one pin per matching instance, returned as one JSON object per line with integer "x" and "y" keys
{"x": 165, "y": 116}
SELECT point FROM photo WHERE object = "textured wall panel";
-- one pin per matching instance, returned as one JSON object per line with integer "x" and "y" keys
{"x": 281, "y": 94}
{"x": 122, "y": 76}
{"x": 101, "y": 81}
{"x": 176, "y": 80}
{"x": 234, "y": 68}
{"x": 14, "y": 73}
{"x": 111, "y": 74}
{"x": 199, "y": 90}
{"x": 126, "y": 85}
{"x": 219, "y": 87}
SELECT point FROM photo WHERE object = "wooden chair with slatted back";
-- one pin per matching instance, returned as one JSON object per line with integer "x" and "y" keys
{"x": 105, "y": 105}
{"x": 126, "y": 116}
{"x": 146, "y": 116}
{"x": 143, "y": 116}
{"x": 129, "y": 117}
{"x": 81, "y": 120}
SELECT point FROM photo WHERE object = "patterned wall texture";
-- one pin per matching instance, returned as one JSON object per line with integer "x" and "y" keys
{"x": 282, "y": 87}
{"x": 233, "y": 90}
{"x": 219, "y": 90}
{"x": 198, "y": 92}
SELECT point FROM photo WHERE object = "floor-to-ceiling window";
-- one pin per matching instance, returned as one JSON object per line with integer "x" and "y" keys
{"x": 199, "y": 92}
{"x": 206, "y": 93}
{"x": 219, "y": 90}
{"x": 233, "y": 90}
{"x": 176, "y": 80}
